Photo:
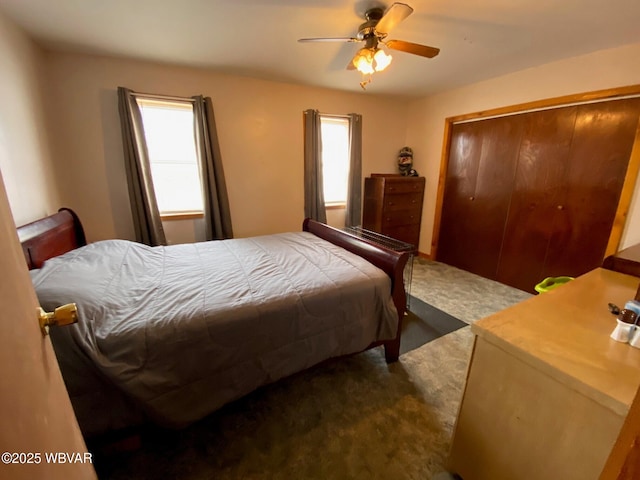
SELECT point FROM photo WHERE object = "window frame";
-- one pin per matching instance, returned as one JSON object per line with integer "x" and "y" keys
{"x": 149, "y": 101}
{"x": 341, "y": 204}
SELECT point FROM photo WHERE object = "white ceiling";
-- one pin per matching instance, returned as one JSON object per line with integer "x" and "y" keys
{"x": 478, "y": 39}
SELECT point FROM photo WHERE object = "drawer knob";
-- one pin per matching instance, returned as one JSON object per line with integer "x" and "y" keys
{"x": 472, "y": 198}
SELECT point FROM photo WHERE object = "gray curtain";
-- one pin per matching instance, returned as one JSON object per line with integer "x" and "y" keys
{"x": 313, "y": 185}
{"x": 144, "y": 207}
{"x": 353, "y": 213}
{"x": 216, "y": 201}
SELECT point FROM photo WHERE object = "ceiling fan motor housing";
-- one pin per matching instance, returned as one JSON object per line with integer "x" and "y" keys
{"x": 367, "y": 29}
{"x": 374, "y": 14}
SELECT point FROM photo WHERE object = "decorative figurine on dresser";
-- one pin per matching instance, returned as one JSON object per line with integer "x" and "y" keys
{"x": 393, "y": 206}
{"x": 405, "y": 162}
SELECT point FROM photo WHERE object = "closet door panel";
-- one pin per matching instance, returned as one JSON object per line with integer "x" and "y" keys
{"x": 600, "y": 150}
{"x": 458, "y": 213}
{"x": 477, "y": 192}
{"x": 539, "y": 190}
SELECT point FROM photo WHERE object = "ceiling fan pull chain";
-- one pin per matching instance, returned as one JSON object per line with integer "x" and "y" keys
{"x": 366, "y": 79}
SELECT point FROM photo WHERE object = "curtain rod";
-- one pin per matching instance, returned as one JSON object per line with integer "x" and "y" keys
{"x": 334, "y": 115}
{"x": 153, "y": 96}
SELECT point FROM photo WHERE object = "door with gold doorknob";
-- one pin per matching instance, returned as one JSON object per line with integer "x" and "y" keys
{"x": 39, "y": 429}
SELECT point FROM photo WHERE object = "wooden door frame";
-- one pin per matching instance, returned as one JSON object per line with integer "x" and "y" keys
{"x": 630, "y": 179}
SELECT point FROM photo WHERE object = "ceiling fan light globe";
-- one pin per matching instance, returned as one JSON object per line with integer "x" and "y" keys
{"x": 382, "y": 60}
{"x": 363, "y": 61}
{"x": 365, "y": 68}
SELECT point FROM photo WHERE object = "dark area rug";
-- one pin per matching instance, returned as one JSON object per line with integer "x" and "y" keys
{"x": 424, "y": 323}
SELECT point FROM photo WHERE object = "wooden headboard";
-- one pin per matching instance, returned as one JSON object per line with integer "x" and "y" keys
{"x": 51, "y": 236}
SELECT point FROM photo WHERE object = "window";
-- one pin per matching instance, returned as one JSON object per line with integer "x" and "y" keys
{"x": 169, "y": 131}
{"x": 335, "y": 159}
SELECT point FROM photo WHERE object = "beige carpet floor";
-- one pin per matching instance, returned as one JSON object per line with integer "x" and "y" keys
{"x": 351, "y": 418}
{"x": 466, "y": 296}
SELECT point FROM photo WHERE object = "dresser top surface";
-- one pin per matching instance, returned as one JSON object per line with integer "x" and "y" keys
{"x": 565, "y": 333}
{"x": 389, "y": 177}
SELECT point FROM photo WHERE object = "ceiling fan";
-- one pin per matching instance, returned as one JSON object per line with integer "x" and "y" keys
{"x": 373, "y": 32}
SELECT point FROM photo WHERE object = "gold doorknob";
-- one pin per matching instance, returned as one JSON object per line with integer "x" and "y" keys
{"x": 63, "y": 315}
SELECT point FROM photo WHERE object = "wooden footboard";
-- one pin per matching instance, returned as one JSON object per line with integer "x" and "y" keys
{"x": 391, "y": 262}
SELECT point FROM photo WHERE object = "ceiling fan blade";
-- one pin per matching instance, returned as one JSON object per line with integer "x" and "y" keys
{"x": 393, "y": 16}
{"x": 415, "y": 48}
{"x": 335, "y": 39}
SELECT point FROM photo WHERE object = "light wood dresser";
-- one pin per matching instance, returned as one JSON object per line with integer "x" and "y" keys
{"x": 547, "y": 390}
{"x": 393, "y": 206}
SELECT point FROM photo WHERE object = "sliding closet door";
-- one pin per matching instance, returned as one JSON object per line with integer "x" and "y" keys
{"x": 600, "y": 150}
{"x": 478, "y": 188}
{"x": 538, "y": 196}
{"x": 534, "y": 195}
{"x": 570, "y": 173}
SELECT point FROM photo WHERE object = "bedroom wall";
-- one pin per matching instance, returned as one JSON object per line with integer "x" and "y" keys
{"x": 597, "y": 71}
{"x": 25, "y": 158}
{"x": 259, "y": 126}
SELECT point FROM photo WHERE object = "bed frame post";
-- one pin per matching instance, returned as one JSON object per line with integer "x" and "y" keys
{"x": 390, "y": 261}
{"x": 392, "y": 347}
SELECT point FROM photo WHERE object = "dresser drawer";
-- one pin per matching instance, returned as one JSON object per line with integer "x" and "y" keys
{"x": 401, "y": 201}
{"x": 405, "y": 233}
{"x": 402, "y": 185}
{"x": 402, "y": 217}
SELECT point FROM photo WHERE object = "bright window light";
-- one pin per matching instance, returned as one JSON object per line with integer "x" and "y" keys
{"x": 168, "y": 128}
{"x": 335, "y": 158}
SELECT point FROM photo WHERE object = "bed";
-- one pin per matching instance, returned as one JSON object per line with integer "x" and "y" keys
{"x": 170, "y": 334}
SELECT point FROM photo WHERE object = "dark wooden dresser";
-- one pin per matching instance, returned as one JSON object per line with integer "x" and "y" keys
{"x": 625, "y": 261}
{"x": 393, "y": 206}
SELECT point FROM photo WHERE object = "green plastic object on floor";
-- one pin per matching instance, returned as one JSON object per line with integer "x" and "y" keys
{"x": 550, "y": 283}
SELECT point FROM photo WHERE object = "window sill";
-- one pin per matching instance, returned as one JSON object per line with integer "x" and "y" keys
{"x": 335, "y": 206}
{"x": 181, "y": 216}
